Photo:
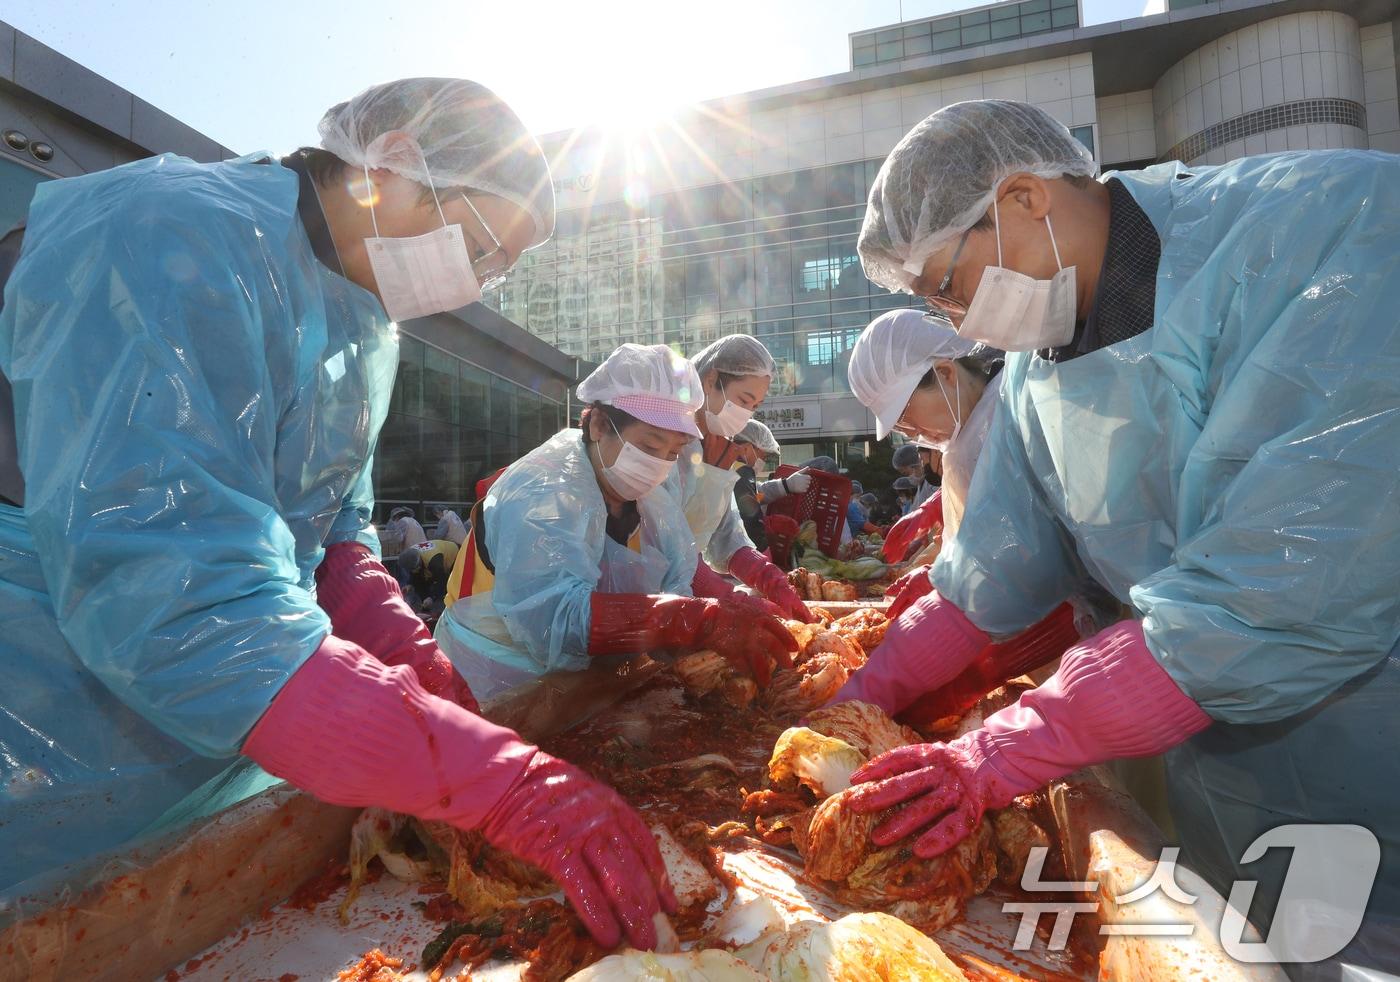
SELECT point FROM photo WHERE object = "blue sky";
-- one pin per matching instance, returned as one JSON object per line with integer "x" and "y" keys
{"x": 257, "y": 75}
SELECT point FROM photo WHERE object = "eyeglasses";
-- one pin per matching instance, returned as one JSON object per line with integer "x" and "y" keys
{"x": 940, "y": 304}
{"x": 491, "y": 266}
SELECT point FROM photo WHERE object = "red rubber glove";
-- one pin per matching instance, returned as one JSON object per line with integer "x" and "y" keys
{"x": 367, "y": 607}
{"x": 927, "y": 647}
{"x": 708, "y": 583}
{"x": 916, "y": 583}
{"x": 920, "y": 521}
{"x": 1027, "y": 651}
{"x": 1110, "y": 698}
{"x": 353, "y": 731}
{"x": 749, "y": 565}
{"x": 636, "y": 623}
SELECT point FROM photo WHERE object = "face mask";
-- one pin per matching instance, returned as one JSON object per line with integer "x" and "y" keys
{"x": 731, "y": 419}
{"x": 422, "y": 274}
{"x": 1014, "y": 312}
{"x": 635, "y": 473}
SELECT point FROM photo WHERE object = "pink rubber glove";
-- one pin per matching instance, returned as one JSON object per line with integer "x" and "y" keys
{"x": 353, "y": 731}
{"x": 1109, "y": 699}
{"x": 753, "y": 570}
{"x": 910, "y": 587}
{"x": 367, "y": 607}
{"x": 708, "y": 583}
{"x": 927, "y": 647}
{"x": 919, "y": 521}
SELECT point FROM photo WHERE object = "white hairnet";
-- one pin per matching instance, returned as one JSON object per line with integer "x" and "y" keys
{"x": 890, "y": 357}
{"x": 941, "y": 178}
{"x": 760, "y": 436}
{"x": 736, "y": 354}
{"x": 468, "y": 137}
{"x": 651, "y": 382}
{"x": 823, "y": 463}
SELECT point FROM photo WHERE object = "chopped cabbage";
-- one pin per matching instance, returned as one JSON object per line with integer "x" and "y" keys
{"x": 867, "y": 947}
{"x": 706, "y": 965}
{"x": 821, "y": 763}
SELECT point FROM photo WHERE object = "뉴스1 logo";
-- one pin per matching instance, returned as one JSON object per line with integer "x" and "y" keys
{"x": 1321, "y": 903}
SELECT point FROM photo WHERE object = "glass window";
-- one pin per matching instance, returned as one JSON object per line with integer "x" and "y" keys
{"x": 1007, "y": 11}
{"x": 439, "y": 386}
{"x": 408, "y": 386}
{"x": 1061, "y": 4}
{"x": 1033, "y": 23}
{"x": 474, "y": 389}
{"x": 773, "y": 277}
{"x": 502, "y": 405}
{"x": 884, "y": 37}
{"x": 1002, "y": 29}
{"x": 973, "y": 19}
{"x": 1085, "y": 135}
{"x": 17, "y": 184}
{"x": 863, "y": 58}
{"x": 946, "y": 40}
{"x": 396, "y": 458}
{"x": 1034, "y": 7}
{"x": 1065, "y": 18}
{"x": 736, "y": 280}
{"x": 978, "y": 34}
{"x": 916, "y": 31}
{"x": 892, "y": 51}
{"x": 863, "y": 42}
{"x": 917, "y": 46}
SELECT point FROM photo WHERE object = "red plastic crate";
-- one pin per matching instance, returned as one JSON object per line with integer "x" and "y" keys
{"x": 824, "y": 503}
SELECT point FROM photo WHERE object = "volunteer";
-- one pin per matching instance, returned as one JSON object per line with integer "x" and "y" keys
{"x": 578, "y": 551}
{"x": 736, "y": 372}
{"x": 1202, "y": 414}
{"x": 754, "y": 444}
{"x": 201, "y": 357}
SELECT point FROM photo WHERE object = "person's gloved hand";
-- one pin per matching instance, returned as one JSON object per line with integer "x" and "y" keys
{"x": 752, "y": 569}
{"x": 635, "y": 623}
{"x": 799, "y": 482}
{"x": 928, "y": 646}
{"x": 353, "y": 731}
{"x": 591, "y": 842}
{"x": 919, "y": 522}
{"x": 708, "y": 583}
{"x": 910, "y": 587}
{"x": 367, "y": 607}
{"x": 1109, "y": 699}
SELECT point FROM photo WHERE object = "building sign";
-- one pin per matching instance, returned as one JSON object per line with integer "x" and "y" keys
{"x": 791, "y": 416}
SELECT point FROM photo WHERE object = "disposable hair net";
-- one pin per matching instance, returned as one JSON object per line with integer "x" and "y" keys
{"x": 736, "y": 354}
{"x": 892, "y": 355}
{"x": 650, "y": 373}
{"x": 760, "y": 436}
{"x": 941, "y": 178}
{"x": 905, "y": 456}
{"x": 869, "y": 500}
{"x": 905, "y": 484}
{"x": 468, "y": 136}
{"x": 826, "y": 464}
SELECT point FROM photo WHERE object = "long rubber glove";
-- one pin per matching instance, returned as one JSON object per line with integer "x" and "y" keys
{"x": 636, "y": 623}
{"x": 1027, "y": 651}
{"x": 927, "y": 647}
{"x": 708, "y": 583}
{"x": 753, "y": 569}
{"x": 910, "y": 587}
{"x": 919, "y": 521}
{"x": 367, "y": 607}
{"x": 353, "y": 731}
{"x": 1109, "y": 699}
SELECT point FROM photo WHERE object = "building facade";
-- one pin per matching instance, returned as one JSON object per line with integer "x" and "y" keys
{"x": 474, "y": 392}
{"x": 741, "y": 215}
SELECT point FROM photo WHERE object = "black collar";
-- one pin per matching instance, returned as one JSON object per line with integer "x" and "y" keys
{"x": 1126, "y": 297}
{"x": 313, "y": 218}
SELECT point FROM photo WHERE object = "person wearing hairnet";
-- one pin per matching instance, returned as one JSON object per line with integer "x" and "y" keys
{"x": 736, "y": 372}
{"x": 904, "y": 489}
{"x": 191, "y": 574}
{"x": 577, "y": 551}
{"x": 1201, "y": 412}
{"x": 450, "y": 526}
{"x": 754, "y": 444}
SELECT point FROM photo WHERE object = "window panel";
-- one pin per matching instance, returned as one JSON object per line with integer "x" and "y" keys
{"x": 862, "y": 58}
{"x": 439, "y": 386}
{"x": 973, "y": 19}
{"x": 1064, "y": 18}
{"x": 946, "y": 40}
{"x": 408, "y": 385}
{"x": 1033, "y": 23}
{"x": 1003, "y": 29}
{"x": 917, "y": 46}
{"x": 980, "y": 34}
{"x": 892, "y": 51}
{"x": 1007, "y": 11}
{"x": 502, "y": 405}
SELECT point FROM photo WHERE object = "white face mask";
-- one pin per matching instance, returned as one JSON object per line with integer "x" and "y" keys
{"x": 1015, "y": 312}
{"x": 422, "y": 274}
{"x": 731, "y": 418}
{"x": 635, "y": 473}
